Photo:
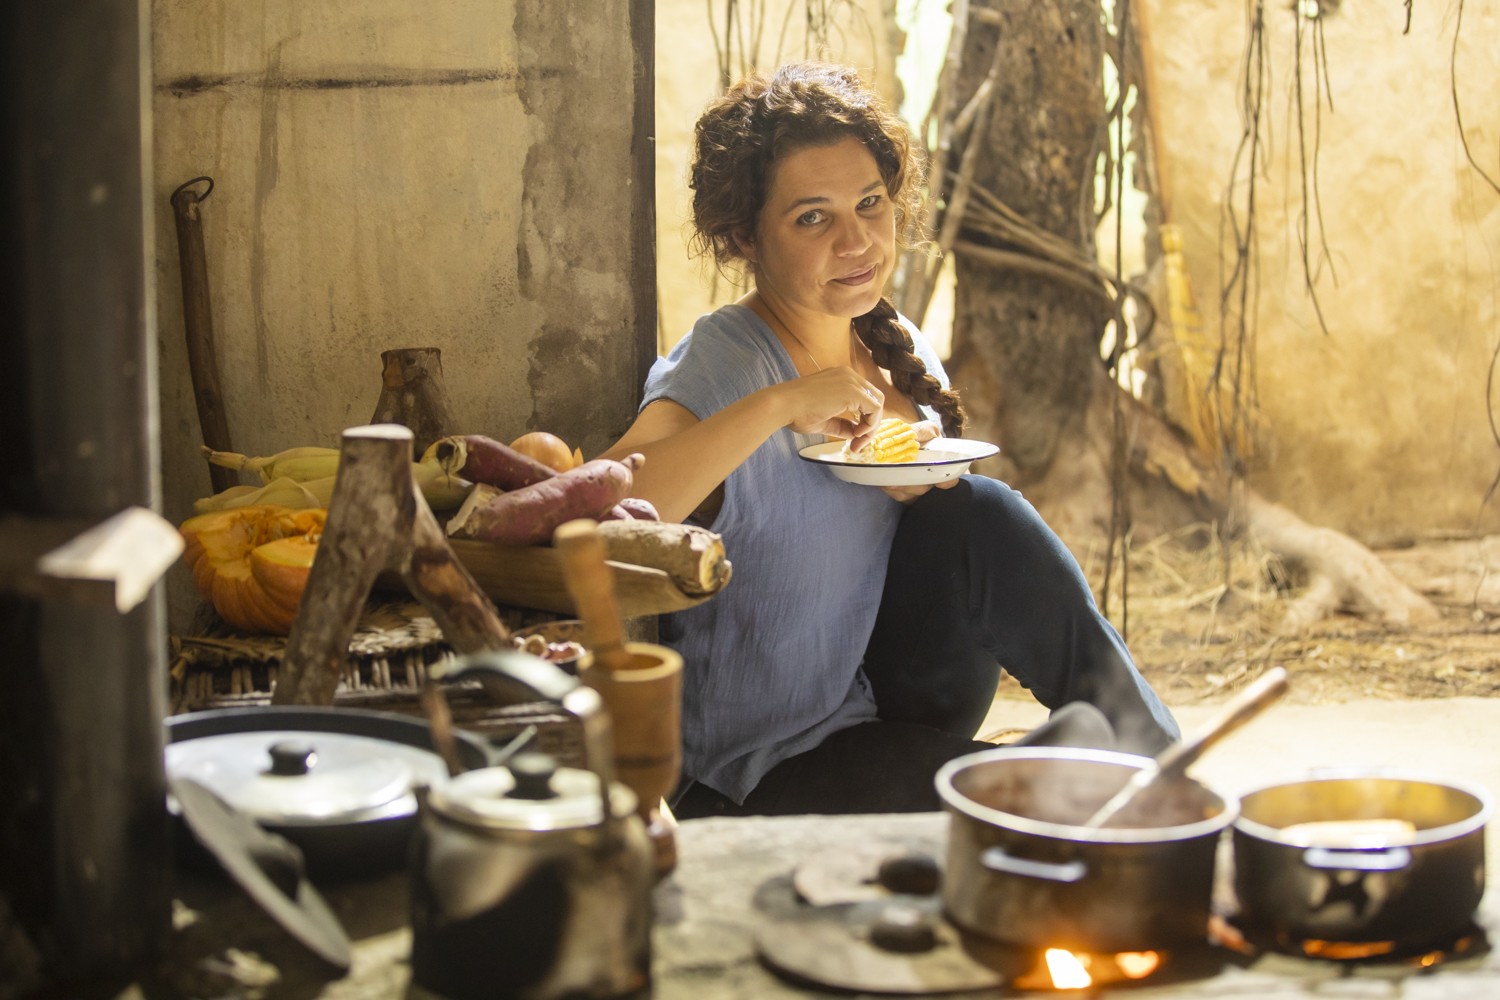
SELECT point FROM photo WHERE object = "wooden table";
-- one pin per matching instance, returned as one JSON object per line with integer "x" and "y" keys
{"x": 708, "y": 913}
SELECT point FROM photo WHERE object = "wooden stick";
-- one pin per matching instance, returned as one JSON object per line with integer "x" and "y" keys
{"x": 377, "y": 520}
{"x": 440, "y": 719}
{"x": 592, "y": 588}
{"x": 198, "y": 321}
{"x": 447, "y": 589}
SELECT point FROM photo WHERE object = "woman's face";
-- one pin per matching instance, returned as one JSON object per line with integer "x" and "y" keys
{"x": 826, "y": 237}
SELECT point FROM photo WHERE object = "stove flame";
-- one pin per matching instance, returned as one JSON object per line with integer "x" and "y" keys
{"x": 1344, "y": 951}
{"x": 1067, "y": 971}
{"x": 1138, "y": 964}
{"x": 1059, "y": 969}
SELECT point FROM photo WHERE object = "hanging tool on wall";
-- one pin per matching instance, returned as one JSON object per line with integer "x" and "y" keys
{"x": 197, "y": 316}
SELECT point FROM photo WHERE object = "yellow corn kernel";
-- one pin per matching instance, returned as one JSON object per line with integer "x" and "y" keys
{"x": 893, "y": 441}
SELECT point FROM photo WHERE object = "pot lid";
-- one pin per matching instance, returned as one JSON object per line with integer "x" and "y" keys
{"x": 301, "y": 778}
{"x": 533, "y": 794}
{"x": 897, "y": 946}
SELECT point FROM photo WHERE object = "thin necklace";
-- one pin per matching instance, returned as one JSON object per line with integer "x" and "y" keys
{"x": 793, "y": 334}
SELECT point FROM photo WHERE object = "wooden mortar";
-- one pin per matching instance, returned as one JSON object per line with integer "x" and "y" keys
{"x": 641, "y": 684}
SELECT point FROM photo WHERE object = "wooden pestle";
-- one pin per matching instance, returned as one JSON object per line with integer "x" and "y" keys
{"x": 641, "y": 685}
{"x": 587, "y": 576}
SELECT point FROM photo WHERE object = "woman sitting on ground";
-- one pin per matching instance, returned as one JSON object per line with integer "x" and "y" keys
{"x": 859, "y": 645}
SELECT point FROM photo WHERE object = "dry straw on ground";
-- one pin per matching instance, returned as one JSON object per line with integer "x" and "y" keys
{"x": 1205, "y": 616}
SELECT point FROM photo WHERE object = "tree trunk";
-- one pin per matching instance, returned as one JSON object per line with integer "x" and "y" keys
{"x": 1027, "y": 334}
{"x": 1026, "y": 346}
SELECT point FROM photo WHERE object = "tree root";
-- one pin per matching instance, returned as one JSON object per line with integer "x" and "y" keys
{"x": 1342, "y": 574}
{"x": 1172, "y": 483}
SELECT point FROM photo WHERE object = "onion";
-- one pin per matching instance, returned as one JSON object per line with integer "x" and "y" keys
{"x": 549, "y": 449}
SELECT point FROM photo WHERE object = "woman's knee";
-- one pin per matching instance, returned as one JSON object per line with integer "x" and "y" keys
{"x": 999, "y": 532}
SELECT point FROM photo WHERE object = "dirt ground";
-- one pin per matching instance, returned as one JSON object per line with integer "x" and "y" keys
{"x": 1203, "y": 618}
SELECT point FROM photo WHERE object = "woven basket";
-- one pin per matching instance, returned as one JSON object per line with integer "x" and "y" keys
{"x": 394, "y": 644}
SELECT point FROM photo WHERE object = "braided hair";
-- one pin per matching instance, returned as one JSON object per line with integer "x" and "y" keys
{"x": 743, "y": 134}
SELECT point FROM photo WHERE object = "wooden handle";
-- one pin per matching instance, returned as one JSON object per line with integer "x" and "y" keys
{"x": 592, "y": 588}
{"x": 1176, "y": 758}
{"x": 198, "y": 323}
{"x": 440, "y": 725}
{"x": 1239, "y": 710}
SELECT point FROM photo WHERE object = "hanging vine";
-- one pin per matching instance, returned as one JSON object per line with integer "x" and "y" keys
{"x": 1232, "y": 380}
{"x": 1112, "y": 170}
{"x": 738, "y": 30}
{"x": 1237, "y": 229}
{"x": 1491, "y": 389}
{"x": 1312, "y": 201}
{"x": 1237, "y": 321}
{"x": 736, "y": 36}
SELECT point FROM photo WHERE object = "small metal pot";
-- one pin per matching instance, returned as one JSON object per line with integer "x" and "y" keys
{"x": 1409, "y": 889}
{"x": 340, "y": 783}
{"x": 1022, "y": 869}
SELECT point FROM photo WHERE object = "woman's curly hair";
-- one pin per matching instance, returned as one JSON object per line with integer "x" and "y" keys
{"x": 746, "y": 132}
{"x": 740, "y": 138}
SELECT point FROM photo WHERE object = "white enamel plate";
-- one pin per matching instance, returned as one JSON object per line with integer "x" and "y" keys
{"x": 939, "y": 460}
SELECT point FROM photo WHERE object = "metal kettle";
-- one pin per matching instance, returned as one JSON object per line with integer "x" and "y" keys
{"x": 532, "y": 880}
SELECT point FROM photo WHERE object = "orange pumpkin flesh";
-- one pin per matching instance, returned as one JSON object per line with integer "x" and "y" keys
{"x": 253, "y": 562}
{"x": 281, "y": 567}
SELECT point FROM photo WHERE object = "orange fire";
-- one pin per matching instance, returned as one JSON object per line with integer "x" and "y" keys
{"x": 1067, "y": 970}
{"x": 1138, "y": 964}
{"x": 1062, "y": 969}
{"x": 1347, "y": 950}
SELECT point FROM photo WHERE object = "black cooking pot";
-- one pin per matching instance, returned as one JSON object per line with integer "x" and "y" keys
{"x": 1360, "y": 855}
{"x": 1023, "y": 868}
{"x": 340, "y": 783}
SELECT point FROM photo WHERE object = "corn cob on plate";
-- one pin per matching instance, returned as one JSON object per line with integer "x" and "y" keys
{"x": 894, "y": 440}
{"x": 937, "y": 461}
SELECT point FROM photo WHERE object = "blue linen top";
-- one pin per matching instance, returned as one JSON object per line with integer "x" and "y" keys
{"x": 772, "y": 662}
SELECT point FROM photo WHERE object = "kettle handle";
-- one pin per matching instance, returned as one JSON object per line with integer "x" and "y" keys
{"x": 511, "y": 676}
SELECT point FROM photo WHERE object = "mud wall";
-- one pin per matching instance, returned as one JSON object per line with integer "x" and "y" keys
{"x": 1379, "y": 426}
{"x": 458, "y": 175}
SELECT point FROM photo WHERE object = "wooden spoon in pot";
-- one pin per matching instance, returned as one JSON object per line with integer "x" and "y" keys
{"x": 1176, "y": 759}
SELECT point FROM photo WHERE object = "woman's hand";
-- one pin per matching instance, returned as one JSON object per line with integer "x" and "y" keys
{"x": 906, "y": 494}
{"x": 838, "y": 402}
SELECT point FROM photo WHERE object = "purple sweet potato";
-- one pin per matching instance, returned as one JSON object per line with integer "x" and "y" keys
{"x": 481, "y": 459}
{"x": 530, "y": 514}
{"x": 632, "y": 509}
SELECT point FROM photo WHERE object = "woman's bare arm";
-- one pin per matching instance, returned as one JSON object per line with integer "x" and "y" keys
{"x": 687, "y": 458}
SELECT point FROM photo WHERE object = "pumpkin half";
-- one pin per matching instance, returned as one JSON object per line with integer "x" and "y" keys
{"x": 253, "y": 562}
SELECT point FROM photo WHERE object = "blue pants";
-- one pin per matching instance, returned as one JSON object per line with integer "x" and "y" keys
{"x": 977, "y": 582}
